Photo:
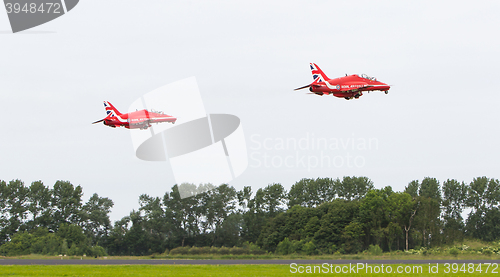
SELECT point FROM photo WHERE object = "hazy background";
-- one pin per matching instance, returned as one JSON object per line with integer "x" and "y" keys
{"x": 440, "y": 119}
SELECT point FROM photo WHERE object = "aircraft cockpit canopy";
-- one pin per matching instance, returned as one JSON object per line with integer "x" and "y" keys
{"x": 368, "y": 77}
{"x": 153, "y": 111}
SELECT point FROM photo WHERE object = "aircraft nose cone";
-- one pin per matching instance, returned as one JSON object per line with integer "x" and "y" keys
{"x": 384, "y": 86}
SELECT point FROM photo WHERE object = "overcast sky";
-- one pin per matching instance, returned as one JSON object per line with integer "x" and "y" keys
{"x": 440, "y": 118}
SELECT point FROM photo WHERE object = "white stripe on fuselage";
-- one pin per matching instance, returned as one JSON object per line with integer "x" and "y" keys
{"x": 113, "y": 113}
{"x": 330, "y": 86}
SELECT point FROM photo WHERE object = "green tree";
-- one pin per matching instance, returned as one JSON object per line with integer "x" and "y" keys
{"x": 73, "y": 234}
{"x": 273, "y": 198}
{"x": 400, "y": 212}
{"x": 252, "y": 215}
{"x": 228, "y": 234}
{"x": 20, "y": 244}
{"x": 373, "y": 212}
{"x": 485, "y": 225}
{"x": 483, "y": 196}
{"x": 267, "y": 203}
{"x": 13, "y": 207}
{"x": 95, "y": 218}
{"x": 244, "y": 196}
{"x": 296, "y": 223}
{"x": 334, "y": 217}
{"x": 351, "y": 188}
{"x": 483, "y": 193}
{"x": 116, "y": 240}
{"x": 284, "y": 247}
{"x": 412, "y": 188}
{"x": 427, "y": 218}
{"x": 454, "y": 197}
{"x": 67, "y": 203}
{"x": 184, "y": 215}
{"x": 217, "y": 205}
{"x": 311, "y": 193}
{"x": 136, "y": 239}
{"x": 39, "y": 205}
{"x": 352, "y": 237}
{"x": 154, "y": 222}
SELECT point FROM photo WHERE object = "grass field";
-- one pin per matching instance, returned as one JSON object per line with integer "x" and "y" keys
{"x": 244, "y": 270}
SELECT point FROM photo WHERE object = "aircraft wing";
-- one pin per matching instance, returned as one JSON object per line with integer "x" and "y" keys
{"x": 306, "y": 86}
{"x": 139, "y": 122}
{"x": 363, "y": 88}
{"x": 158, "y": 119}
{"x": 372, "y": 86}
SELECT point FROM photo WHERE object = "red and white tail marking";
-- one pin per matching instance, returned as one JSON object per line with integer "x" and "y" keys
{"x": 317, "y": 73}
{"x": 111, "y": 111}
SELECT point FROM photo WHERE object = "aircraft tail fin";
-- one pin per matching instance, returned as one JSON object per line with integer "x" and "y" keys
{"x": 111, "y": 111}
{"x": 317, "y": 73}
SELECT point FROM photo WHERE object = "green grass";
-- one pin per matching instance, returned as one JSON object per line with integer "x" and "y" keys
{"x": 211, "y": 270}
{"x": 145, "y": 270}
{"x": 474, "y": 243}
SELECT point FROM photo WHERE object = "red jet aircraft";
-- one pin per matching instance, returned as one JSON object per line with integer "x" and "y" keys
{"x": 135, "y": 120}
{"x": 349, "y": 87}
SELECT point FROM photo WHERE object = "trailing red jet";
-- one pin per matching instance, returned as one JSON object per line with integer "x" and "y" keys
{"x": 135, "y": 120}
{"x": 349, "y": 87}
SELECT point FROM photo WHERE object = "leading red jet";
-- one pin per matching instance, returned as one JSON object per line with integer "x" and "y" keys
{"x": 348, "y": 87}
{"x": 135, "y": 120}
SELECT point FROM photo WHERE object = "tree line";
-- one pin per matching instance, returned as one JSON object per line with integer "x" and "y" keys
{"x": 315, "y": 216}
